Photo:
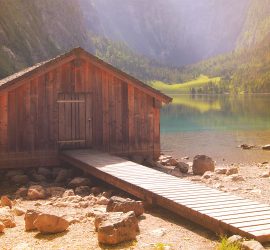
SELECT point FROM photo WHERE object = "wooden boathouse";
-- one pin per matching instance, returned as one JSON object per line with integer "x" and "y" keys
{"x": 76, "y": 101}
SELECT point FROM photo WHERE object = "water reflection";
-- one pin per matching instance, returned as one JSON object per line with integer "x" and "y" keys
{"x": 216, "y": 125}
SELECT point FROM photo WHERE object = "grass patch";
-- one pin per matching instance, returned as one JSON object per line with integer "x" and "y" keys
{"x": 184, "y": 88}
{"x": 225, "y": 245}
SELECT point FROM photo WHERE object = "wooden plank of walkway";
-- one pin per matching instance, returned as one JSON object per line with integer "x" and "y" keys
{"x": 218, "y": 211}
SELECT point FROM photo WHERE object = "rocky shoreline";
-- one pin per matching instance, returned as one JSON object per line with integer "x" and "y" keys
{"x": 45, "y": 203}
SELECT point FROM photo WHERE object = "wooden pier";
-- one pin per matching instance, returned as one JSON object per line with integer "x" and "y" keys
{"x": 218, "y": 211}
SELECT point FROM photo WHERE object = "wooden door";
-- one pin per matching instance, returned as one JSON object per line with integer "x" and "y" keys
{"x": 74, "y": 120}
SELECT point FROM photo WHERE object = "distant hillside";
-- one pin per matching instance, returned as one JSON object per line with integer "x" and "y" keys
{"x": 257, "y": 24}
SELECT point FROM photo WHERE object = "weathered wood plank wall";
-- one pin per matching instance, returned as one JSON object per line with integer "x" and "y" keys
{"x": 117, "y": 116}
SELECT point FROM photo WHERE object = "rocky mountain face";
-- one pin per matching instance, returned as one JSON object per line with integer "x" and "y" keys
{"x": 176, "y": 32}
{"x": 256, "y": 26}
{"x": 35, "y": 30}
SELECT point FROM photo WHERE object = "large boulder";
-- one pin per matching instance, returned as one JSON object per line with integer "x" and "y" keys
{"x": 201, "y": 164}
{"x": 119, "y": 204}
{"x": 114, "y": 228}
{"x": 49, "y": 223}
{"x": 6, "y": 217}
{"x": 29, "y": 218}
{"x": 79, "y": 181}
{"x": 6, "y": 202}
{"x": 36, "y": 192}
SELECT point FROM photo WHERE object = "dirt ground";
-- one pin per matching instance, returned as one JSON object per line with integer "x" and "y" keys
{"x": 157, "y": 226}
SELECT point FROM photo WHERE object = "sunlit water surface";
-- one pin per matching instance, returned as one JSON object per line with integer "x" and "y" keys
{"x": 216, "y": 126}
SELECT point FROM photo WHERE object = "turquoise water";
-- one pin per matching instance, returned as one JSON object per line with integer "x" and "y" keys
{"x": 216, "y": 125}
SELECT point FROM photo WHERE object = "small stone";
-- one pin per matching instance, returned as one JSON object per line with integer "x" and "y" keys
{"x": 96, "y": 190}
{"x": 21, "y": 192}
{"x": 158, "y": 232}
{"x": 256, "y": 191}
{"x": 119, "y": 204}
{"x": 39, "y": 177}
{"x": 265, "y": 175}
{"x": 266, "y": 147}
{"x": 82, "y": 190}
{"x": 49, "y": 223}
{"x": 172, "y": 162}
{"x": 103, "y": 201}
{"x": 182, "y": 167}
{"x": 68, "y": 192}
{"x": 2, "y": 227}
{"x": 185, "y": 158}
{"x": 237, "y": 177}
{"x": 79, "y": 181}
{"x": 6, "y": 217}
{"x": 20, "y": 179}
{"x": 251, "y": 245}
{"x": 175, "y": 172}
{"x": 36, "y": 192}
{"x": 235, "y": 239}
{"x": 5, "y": 201}
{"x": 201, "y": 164}
{"x": 207, "y": 175}
{"x": 29, "y": 218}
{"x": 55, "y": 191}
{"x": 232, "y": 170}
{"x": 45, "y": 172}
{"x": 246, "y": 146}
{"x": 18, "y": 211}
{"x": 62, "y": 175}
{"x": 221, "y": 170}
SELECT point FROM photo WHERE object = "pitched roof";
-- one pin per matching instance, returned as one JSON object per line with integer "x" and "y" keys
{"x": 13, "y": 79}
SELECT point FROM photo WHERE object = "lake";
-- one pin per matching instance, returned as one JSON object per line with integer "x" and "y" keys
{"x": 216, "y": 126}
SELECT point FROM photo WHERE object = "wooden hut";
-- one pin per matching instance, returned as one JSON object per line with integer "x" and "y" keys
{"x": 76, "y": 101}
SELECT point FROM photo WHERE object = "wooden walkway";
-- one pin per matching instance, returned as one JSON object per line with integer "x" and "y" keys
{"x": 218, "y": 211}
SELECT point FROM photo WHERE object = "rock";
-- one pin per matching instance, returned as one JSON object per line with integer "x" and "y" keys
{"x": 221, "y": 170}
{"x": 235, "y": 239}
{"x": 119, "y": 204}
{"x": 18, "y": 211}
{"x": 96, "y": 190}
{"x": 232, "y": 170}
{"x": 62, "y": 175}
{"x": 29, "y": 218}
{"x": 103, "y": 201}
{"x": 256, "y": 191}
{"x": 108, "y": 194}
{"x": 45, "y": 172}
{"x": 6, "y": 217}
{"x": 251, "y": 245}
{"x": 158, "y": 232}
{"x": 79, "y": 181}
{"x": 265, "y": 175}
{"x": 266, "y": 147}
{"x": 201, "y": 164}
{"x": 114, "y": 228}
{"x": 2, "y": 227}
{"x": 6, "y": 202}
{"x": 182, "y": 167}
{"x": 68, "y": 192}
{"x": 36, "y": 192}
{"x": 21, "y": 192}
{"x": 185, "y": 158}
{"x": 246, "y": 146}
{"x": 207, "y": 175}
{"x": 172, "y": 162}
{"x": 237, "y": 177}
{"x": 175, "y": 172}
{"x": 20, "y": 179}
{"x": 12, "y": 173}
{"x": 48, "y": 223}
{"x": 39, "y": 177}
{"x": 82, "y": 190}
{"x": 55, "y": 191}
